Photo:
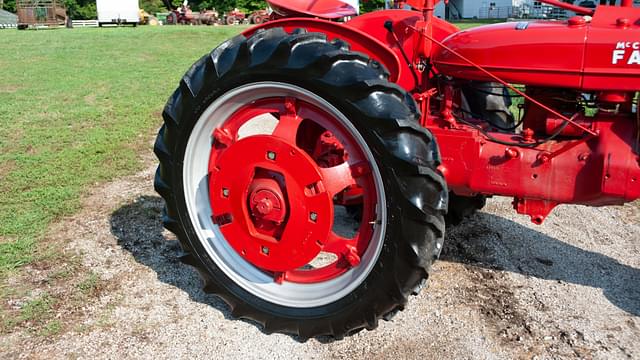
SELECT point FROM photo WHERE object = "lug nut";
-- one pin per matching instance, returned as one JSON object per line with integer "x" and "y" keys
{"x": 544, "y": 157}
{"x": 527, "y": 135}
{"x": 265, "y": 250}
{"x": 271, "y": 155}
{"x": 313, "y": 216}
{"x": 225, "y": 192}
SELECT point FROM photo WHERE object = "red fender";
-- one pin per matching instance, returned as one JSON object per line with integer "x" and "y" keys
{"x": 359, "y": 41}
{"x": 325, "y": 9}
{"x": 366, "y": 34}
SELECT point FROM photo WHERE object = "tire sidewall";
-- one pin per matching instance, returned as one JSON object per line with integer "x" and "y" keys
{"x": 371, "y": 288}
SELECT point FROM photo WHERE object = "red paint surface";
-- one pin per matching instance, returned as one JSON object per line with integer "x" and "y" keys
{"x": 326, "y": 9}
{"x": 595, "y": 161}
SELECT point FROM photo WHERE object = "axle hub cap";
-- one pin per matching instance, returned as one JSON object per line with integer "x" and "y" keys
{"x": 267, "y": 201}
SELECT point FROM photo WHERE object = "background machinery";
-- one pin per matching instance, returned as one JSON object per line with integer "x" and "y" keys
{"x": 233, "y": 17}
{"x": 36, "y": 13}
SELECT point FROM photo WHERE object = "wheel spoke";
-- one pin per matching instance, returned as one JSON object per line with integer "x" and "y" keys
{"x": 336, "y": 179}
{"x": 279, "y": 277}
{"x": 289, "y": 122}
{"x": 338, "y": 245}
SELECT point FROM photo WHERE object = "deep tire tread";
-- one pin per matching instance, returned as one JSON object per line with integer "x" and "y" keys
{"x": 388, "y": 110}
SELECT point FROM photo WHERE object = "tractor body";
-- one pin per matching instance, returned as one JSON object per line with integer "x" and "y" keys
{"x": 311, "y": 165}
{"x": 577, "y": 141}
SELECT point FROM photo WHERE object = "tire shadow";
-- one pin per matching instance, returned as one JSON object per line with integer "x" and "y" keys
{"x": 492, "y": 242}
{"x": 138, "y": 229}
{"x": 485, "y": 240}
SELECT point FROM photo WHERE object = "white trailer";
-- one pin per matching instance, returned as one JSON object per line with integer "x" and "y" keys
{"x": 118, "y": 12}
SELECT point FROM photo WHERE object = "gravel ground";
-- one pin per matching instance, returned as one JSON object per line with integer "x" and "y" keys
{"x": 503, "y": 289}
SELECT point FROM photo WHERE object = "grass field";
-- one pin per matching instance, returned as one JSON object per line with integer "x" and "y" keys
{"x": 74, "y": 106}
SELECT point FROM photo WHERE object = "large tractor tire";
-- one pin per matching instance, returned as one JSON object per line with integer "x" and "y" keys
{"x": 253, "y": 201}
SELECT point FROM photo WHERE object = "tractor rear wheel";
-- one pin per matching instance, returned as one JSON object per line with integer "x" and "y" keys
{"x": 259, "y": 143}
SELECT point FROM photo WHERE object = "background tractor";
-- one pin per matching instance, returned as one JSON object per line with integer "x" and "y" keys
{"x": 182, "y": 15}
{"x": 209, "y": 17}
{"x": 259, "y": 16}
{"x": 308, "y": 166}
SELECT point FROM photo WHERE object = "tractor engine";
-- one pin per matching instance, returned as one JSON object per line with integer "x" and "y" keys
{"x": 573, "y": 138}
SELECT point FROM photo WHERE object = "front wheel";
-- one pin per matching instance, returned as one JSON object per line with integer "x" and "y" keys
{"x": 264, "y": 143}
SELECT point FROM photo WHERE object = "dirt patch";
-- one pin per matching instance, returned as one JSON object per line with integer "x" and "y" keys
{"x": 90, "y": 99}
{"x": 630, "y": 213}
{"x": 9, "y": 88}
{"x": 47, "y": 296}
{"x": 504, "y": 289}
{"x": 6, "y": 167}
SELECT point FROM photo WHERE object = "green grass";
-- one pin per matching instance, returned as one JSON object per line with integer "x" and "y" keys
{"x": 89, "y": 284}
{"x": 35, "y": 312}
{"x": 75, "y": 108}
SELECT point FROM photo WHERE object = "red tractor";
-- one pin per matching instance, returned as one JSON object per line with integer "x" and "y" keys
{"x": 259, "y": 16}
{"x": 308, "y": 166}
{"x": 181, "y": 15}
{"x": 233, "y": 17}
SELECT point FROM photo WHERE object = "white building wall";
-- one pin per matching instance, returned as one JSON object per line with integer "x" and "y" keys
{"x": 439, "y": 10}
{"x": 471, "y": 8}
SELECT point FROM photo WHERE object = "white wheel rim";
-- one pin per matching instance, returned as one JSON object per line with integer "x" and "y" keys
{"x": 241, "y": 272}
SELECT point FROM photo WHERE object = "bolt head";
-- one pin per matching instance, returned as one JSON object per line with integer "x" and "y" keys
{"x": 265, "y": 250}
{"x": 264, "y": 206}
{"x": 583, "y": 157}
{"x": 271, "y": 155}
{"x": 225, "y": 192}
{"x": 512, "y": 153}
{"x": 313, "y": 216}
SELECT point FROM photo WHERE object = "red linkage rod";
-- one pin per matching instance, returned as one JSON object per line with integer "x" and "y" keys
{"x": 591, "y": 132}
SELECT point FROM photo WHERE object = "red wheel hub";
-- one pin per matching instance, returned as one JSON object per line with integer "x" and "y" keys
{"x": 253, "y": 215}
{"x": 274, "y": 201}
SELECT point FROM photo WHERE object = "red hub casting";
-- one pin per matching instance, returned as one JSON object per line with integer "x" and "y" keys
{"x": 300, "y": 240}
{"x": 267, "y": 202}
{"x": 274, "y": 202}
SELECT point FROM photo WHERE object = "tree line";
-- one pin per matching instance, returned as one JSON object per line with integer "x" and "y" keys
{"x": 86, "y": 9}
